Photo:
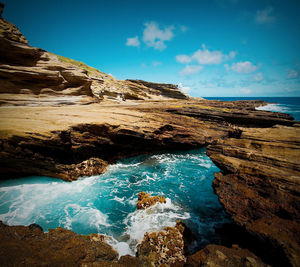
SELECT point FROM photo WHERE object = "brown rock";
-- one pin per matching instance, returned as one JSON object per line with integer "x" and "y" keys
{"x": 30, "y": 246}
{"x": 145, "y": 200}
{"x": 162, "y": 248}
{"x": 260, "y": 188}
{"x": 215, "y": 255}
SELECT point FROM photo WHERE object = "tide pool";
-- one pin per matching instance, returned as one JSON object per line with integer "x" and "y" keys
{"x": 107, "y": 203}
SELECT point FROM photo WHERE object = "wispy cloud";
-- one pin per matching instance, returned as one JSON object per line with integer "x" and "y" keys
{"x": 245, "y": 91}
{"x": 156, "y": 63}
{"x": 191, "y": 69}
{"x": 134, "y": 41}
{"x": 204, "y": 56}
{"x": 244, "y": 67}
{"x": 183, "y": 28}
{"x": 184, "y": 59}
{"x": 154, "y": 36}
{"x": 292, "y": 74}
{"x": 226, "y": 66}
{"x": 264, "y": 16}
{"x": 258, "y": 77}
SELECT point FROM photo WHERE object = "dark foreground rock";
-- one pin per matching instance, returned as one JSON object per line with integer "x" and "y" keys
{"x": 217, "y": 256}
{"x": 259, "y": 186}
{"x": 30, "y": 246}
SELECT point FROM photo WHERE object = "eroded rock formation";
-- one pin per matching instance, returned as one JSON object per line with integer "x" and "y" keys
{"x": 145, "y": 200}
{"x": 214, "y": 255}
{"x": 162, "y": 248}
{"x": 30, "y": 246}
{"x": 259, "y": 185}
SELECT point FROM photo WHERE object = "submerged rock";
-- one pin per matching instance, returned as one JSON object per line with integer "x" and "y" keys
{"x": 145, "y": 200}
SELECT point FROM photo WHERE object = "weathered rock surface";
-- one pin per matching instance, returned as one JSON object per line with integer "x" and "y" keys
{"x": 162, "y": 248}
{"x": 145, "y": 200}
{"x": 260, "y": 185}
{"x": 218, "y": 256}
{"x": 30, "y": 246}
{"x": 33, "y": 71}
{"x": 162, "y": 89}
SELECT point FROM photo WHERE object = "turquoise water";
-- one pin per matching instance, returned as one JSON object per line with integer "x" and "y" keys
{"x": 107, "y": 203}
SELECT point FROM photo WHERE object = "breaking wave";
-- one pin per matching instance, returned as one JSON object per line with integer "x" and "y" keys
{"x": 107, "y": 203}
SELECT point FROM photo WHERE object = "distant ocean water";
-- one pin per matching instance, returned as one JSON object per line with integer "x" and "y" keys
{"x": 289, "y": 105}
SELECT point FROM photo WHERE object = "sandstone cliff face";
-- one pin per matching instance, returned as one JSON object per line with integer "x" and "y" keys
{"x": 259, "y": 184}
{"x": 37, "y": 74}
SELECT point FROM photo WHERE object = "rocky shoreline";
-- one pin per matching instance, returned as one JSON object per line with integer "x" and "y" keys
{"x": 63, "y": 119}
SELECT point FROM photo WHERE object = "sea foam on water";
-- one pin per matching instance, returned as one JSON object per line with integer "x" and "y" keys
{"x": 106, "y": 203}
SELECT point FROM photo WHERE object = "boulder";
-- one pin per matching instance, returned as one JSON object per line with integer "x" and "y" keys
{"x": 145, "y": 200}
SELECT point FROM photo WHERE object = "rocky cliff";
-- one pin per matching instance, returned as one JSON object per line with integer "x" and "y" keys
{"x": 63, "y": 119}
{"x": 40, "y": 77}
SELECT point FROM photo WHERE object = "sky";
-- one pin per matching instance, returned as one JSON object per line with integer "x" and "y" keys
{"x": 210, "y": 48}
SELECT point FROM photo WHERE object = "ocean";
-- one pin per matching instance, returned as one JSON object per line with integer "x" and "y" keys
{"x": 290, "y": 105}
{"x": 107, "y": 203}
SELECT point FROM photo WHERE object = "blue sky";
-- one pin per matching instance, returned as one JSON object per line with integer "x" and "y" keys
{"x": 210, "y": 48}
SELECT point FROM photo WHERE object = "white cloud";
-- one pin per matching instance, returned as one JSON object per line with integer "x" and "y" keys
{"x": 156, "y": 63}
{"x": 258, "y": 77}
{"x": 155, "y": 37}
{"x": 184, "y": 88}
{"x": 264, "y": 16}
{"x": 292, "y": 74}
{"x": 245, "y": 91}
{"x": 244, "y": 67}
{"x": 204, "y": 56}
{"x": 183, "y": 59}
{"x": 134, "y": 41}
{"x": 191, "y": 69}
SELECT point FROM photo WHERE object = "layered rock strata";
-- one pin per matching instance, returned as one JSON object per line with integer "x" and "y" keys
{"x": 259, "y": 185}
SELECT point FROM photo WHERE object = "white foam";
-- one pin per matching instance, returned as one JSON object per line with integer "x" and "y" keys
{"x": 154, "y": 218}
{"x": 118, "y": 199}
{"x": 123, "y": 249}
{"x": 274, "y": 108}
{"x": 82, "y": 215}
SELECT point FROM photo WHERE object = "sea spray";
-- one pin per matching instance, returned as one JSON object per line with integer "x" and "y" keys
{"x": 107, "y": 203}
